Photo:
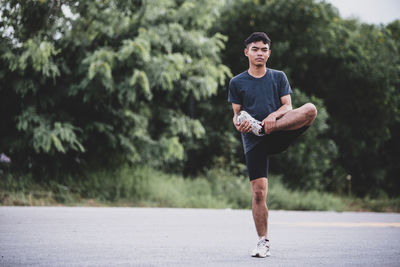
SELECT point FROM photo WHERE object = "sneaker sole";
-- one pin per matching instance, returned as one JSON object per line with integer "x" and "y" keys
{"x": 261, "y": 256}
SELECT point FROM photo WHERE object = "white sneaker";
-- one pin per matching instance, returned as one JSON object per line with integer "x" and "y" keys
{"x": 256, "y": 127}
{"x": 262, "y": 249}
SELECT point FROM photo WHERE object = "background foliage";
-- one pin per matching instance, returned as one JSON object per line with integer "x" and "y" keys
{"x": 112, "y": 82}
{"x": 88, "y": 86}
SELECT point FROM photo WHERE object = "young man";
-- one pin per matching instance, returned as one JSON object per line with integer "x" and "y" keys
{"x": 264, "y": 94}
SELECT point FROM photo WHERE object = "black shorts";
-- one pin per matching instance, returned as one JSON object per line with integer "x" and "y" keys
{"x": 257, "y": 159}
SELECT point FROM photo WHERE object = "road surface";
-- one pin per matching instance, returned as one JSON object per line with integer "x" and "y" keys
{"x": 86, "y": 236}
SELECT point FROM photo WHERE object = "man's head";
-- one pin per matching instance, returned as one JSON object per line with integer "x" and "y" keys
{"x": 257, "y": 49}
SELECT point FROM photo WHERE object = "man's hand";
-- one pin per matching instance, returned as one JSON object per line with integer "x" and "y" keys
{"x": 269, "y": 123}
{"x": 243, "y": 127}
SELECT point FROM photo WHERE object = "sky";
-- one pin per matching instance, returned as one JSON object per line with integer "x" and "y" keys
{"x": 369, "y": 11}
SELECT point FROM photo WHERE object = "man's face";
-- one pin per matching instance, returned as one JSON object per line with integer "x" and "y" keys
{"x": 258, "y": 53}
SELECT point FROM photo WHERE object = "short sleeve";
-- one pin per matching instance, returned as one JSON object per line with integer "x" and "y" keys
{"x": 233, "y": 95}
{"x": 284, "y": 87}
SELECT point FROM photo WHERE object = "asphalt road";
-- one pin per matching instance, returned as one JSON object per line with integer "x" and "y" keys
{"x": 75, "y": 236}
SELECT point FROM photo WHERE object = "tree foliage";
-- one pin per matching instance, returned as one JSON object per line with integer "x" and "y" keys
{"x": 100, "y": 83}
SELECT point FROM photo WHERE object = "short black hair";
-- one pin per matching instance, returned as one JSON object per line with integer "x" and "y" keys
{"x": 258, "y": 36}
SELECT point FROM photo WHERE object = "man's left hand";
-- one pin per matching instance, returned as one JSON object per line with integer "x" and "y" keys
{"x": 269, "y": 123}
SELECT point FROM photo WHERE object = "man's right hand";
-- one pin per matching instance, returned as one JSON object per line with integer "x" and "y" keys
{"x": 243, "y": 127}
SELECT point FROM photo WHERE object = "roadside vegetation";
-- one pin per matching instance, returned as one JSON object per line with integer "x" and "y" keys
{"x": 145, "y": 187}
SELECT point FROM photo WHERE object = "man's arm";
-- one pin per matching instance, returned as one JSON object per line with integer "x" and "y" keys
{"x": 241, "y": 127}
{"x": 270, "y": 121}
{"x": 286, "y": 106}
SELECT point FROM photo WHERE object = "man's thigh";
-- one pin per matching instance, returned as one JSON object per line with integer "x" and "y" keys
{"x": 257, "y": 161}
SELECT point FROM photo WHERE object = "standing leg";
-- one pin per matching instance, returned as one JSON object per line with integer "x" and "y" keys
{"x": 259, "y": 188}
{"x": 257, "y": 161}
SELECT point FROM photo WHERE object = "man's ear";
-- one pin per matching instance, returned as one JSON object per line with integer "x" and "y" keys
{"x": 246, "y": 51}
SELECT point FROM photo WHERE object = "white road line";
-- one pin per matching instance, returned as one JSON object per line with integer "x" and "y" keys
{"x": 339, "y": 224}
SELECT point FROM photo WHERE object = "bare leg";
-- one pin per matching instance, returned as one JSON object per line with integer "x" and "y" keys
{"x": 297, "y": 118}
{"x": 259, "y": 188}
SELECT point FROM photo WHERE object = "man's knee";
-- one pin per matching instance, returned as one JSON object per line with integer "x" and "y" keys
{"x": 311, "y": 112}
{"x": 259, "y": 194}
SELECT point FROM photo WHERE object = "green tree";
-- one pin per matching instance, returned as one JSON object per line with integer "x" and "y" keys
{"x": 89, "y": 84}
{"x": 392, "y": 146}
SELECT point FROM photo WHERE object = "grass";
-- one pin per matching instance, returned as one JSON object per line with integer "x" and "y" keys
{"x": 146, "y": 187}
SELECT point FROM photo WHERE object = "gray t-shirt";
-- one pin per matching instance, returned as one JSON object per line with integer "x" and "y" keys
{"x": 259, "y": 97}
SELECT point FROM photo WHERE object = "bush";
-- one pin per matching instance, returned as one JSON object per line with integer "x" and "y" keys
{"x": 145, "y": 186}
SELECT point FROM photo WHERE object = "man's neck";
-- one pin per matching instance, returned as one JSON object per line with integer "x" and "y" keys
{"x": 257, "y": 72}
